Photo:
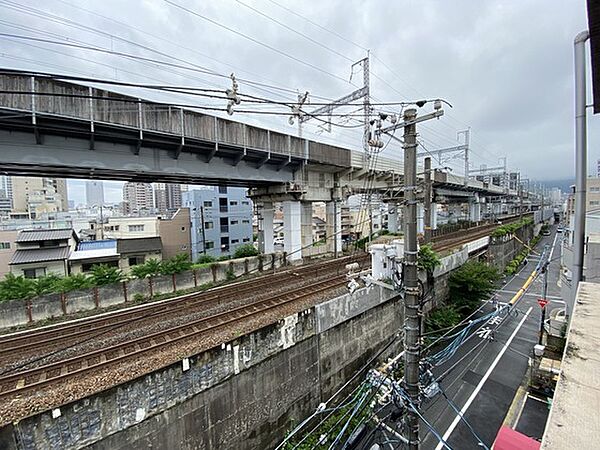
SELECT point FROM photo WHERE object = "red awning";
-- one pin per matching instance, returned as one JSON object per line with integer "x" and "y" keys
{"x": 509, "y": 439}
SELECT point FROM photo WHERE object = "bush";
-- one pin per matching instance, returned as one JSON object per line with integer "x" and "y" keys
{"x": 441, "y": 318}
{"x": 470, "y": 284}
{"x": 205, "y": 259}
{"x": 47, "y": 284}
{"x": 150, "y": 268}
{"x": 510, "y": 228}
{"x": 138, "y": 297}
{"x": 16, "y": 287}
{"x": 177, "y": 264}
{"x": 74, "y": 282}
{"x": 244, "y": 251}
{"x": 224, "y": 258}
{"x": 427, "y": 259}
{"x": 103, "y": 274}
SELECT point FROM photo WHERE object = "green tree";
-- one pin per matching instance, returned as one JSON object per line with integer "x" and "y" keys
{"x": 150, "y": 268}
{"x": 16, "y": 287}
{"x": 444, "y": 317}
{"x": 47, "y": 284}
{"x": 102, "y": 274}
{"x": 74, "y": 282}
{"x": 176, "y": 264}
{"x": 470, "y": 284}
{"x": 205, "y": 259}
{"x": 244, "y": 251}
{"x": 427, "y": 259}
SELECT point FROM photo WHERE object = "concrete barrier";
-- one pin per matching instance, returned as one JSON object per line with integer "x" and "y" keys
{"x": 20, "y": 312}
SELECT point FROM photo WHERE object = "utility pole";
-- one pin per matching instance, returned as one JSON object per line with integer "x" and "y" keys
{"x": 427, "y": 203}
{"x": 467, "y": 134}
{"x": 580, "y": 159}
{"x": 544, "y": 297}
{"x": 203, "y": 234}
{"x": 411, "y": 282}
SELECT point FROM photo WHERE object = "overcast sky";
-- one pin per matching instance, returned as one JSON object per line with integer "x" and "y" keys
{"x": 506, "y": 66}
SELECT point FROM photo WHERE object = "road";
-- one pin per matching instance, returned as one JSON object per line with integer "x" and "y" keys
{"x": 482, "y": 378}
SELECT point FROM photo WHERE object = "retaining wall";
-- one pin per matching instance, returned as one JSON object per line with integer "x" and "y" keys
{"x": 21, "y": 312}
{"x": 243, "y": 394}
{"x": 503, "y": 250}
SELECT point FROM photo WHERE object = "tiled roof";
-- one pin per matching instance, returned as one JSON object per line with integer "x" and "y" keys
{"x": 147, "y": 244}
{"x": 40, "y": 255}
{"x": 45, "y": 235}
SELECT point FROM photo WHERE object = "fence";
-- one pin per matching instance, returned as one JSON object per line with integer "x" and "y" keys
{"x": 21, "y": 312}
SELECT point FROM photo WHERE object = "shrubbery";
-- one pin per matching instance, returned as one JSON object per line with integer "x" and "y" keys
{"x": 511, "y": 228}
{"x": 19, "y": 287}
{"x": 245, "y": 251}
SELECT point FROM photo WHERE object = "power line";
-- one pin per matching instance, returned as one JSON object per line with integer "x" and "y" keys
{"x": 256, "y": 41}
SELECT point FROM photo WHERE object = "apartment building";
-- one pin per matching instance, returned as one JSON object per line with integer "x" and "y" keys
{"x": 221, "y": 219}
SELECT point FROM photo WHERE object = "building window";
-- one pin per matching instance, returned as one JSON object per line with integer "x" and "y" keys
{"x": 246, "y": 240}
{"x": 245, "y": 203}
{"x": 209, "y": 244}
{"x": 208, "y": 225}
{"x": 208, "y": 204}
{"x": 225, "y": 244}
{"x": 235, "y": 241}
{"x": 594, "y": 203}
{"x": 233, "y": 203}
{"x": 234, "y": 222}
{"x": 4, "y": 245}
{"x": 222, "y": 189}
{"x": 224, "y": 225}
{"x": 223, "y": 205}
{"x": 136, "y": 227}
{"x": 595, "y": 189}
{"x": 135, "y": 260}
{"x": 182, "y": 228}
{"x": 34, "y": 272}
{"x": 246, "y": 221}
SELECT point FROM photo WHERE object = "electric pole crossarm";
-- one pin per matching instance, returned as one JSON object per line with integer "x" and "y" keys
{"x": 391, "y": 128}
{"x": 458, "y": 148}
{"x": 487, "y": 169}
{"x": 327, "y": 109}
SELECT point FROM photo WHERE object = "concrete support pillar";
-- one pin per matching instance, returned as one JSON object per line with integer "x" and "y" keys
{"x": 292, "y": 241}
{"x": 475, "y": 212}
{"x": 393, "y": 217}
{"x": 420, "y": 217}
{"x": 434, "y": 216}
{"x": 265, "y": 234}
{"x": 306, "y": 227}
{"x": 333, "y": 212}
{"x": 454, "y": 211}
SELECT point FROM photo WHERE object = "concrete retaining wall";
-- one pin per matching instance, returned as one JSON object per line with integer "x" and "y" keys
{"x": 21, "y": 312}
{"x": 241, "y": 395}
{"x": 503, "y": 250}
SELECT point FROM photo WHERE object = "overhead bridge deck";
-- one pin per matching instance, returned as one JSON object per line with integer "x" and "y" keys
{"x": 51, "y": 127}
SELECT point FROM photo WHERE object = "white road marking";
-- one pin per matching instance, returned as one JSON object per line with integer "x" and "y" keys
{"x": 482, "y": 382}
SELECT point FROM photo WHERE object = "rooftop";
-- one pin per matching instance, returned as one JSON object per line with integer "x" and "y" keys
{"x": 574, "y": 421}
{"x": 45, "y": 235}
{"x": 95, "y": 249}
{"x": 40, "y": 255}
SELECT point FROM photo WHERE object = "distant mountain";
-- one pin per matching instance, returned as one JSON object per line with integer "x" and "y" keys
{"x": 564, "y": 185}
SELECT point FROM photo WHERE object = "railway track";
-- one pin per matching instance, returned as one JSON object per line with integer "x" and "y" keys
{"x": 35, "y": 378}
{"x": 448, "y": 242}
{"x": 78, "y": 330}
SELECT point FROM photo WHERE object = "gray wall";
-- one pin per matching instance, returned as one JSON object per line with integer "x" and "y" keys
{"x": 15, "y": 313}
{"x": 243, "y": 395}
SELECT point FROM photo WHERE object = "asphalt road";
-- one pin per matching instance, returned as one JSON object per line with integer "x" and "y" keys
{"x": 481, "y": 379}
{"x": 484, "y": 375}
